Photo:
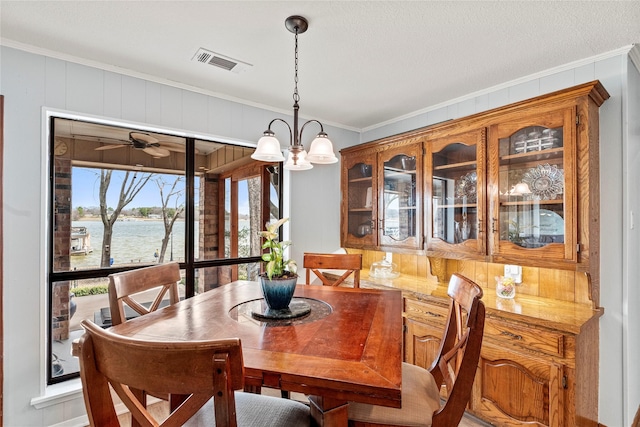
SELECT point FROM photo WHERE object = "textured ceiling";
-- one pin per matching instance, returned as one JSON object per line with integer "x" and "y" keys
{"x": 361, "y": 63}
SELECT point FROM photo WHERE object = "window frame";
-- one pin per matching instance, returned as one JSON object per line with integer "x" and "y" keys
{"x": 190, "y": 265}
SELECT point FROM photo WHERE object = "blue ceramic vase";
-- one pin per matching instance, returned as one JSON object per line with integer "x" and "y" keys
{"x": 278, "y": 292}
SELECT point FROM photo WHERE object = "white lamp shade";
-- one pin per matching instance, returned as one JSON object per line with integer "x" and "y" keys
{"x": 301, "y": 164}
{"x": 268, "y": 150}
{"x": 520, "y": 189}
{"x": 321, "y": 151}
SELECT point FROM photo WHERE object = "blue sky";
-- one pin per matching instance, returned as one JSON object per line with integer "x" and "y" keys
{"x": 86, "y": 190}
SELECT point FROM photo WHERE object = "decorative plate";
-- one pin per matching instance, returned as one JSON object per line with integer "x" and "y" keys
{"x": 545, "y": 181}
{"x": 466, "y": 186}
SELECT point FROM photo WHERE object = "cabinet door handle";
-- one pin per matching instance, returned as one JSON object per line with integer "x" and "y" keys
{"x": 511, "y": 335}
{"x": 493, "y": 224}
{"x": 479, "y": 227}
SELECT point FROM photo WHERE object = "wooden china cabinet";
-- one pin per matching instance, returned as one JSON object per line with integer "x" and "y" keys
{"x": 514, "y": 185}
{"x": 508, "y": 190}
{"x": 360, "y": 193}
{"x": 382, "y": 187}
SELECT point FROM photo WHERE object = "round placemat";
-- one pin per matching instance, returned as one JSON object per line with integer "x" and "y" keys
{"x": 297, "y": 308}
{"x": 301, "y": 310}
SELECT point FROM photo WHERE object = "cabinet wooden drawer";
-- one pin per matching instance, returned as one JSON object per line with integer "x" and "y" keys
{"x": 425, "y": 311}
{"x": 528, "y": 338}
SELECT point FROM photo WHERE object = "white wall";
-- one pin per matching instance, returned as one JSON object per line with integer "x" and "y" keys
{"x": 30, "y": 82}
{"x": 631, "y": 226}
{"x": 619, "y": 389}
{"x": 315, "y": 201}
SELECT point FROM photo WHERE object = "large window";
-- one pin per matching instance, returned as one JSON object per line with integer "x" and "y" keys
{"x": 125, "y": 198}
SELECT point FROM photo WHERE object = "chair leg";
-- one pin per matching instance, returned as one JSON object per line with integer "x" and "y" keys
{"x": 141, "y": 395}
{"x": 285, "y": 394}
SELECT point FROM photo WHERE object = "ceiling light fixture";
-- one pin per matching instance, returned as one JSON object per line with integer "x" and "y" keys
{"x": 321, "y": 150}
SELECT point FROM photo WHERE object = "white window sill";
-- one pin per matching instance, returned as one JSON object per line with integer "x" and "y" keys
{"x": 59, "y": 393}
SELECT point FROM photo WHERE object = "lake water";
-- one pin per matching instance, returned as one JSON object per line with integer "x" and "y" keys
{"x": 132, "y": 242}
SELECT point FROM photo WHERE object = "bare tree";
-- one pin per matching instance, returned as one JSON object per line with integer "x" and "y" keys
{"x": 255, "y": 225}
{"x": 254, "y": 187}
{"x": 169, "y": 215}
{"x": 128, "y": 192}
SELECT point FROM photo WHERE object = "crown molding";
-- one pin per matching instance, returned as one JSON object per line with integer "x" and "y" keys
{"x": 633, "y": 51}
{"x": 155, "y": 79}
{"x": 629, "y": 49}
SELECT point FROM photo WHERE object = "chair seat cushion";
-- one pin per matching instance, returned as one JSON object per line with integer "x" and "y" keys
{"x": 257, "y": 410}
{"x": 420, "y": 399}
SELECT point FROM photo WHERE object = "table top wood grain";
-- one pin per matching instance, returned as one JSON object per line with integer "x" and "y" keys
{"x": 352, "y": 354}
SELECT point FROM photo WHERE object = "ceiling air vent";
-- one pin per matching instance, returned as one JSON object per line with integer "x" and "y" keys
{"x": 205, "y": 56}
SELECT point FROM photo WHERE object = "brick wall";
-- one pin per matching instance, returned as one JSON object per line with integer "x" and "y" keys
{"x": 208, "y": 278}
{"x": 61, "y": 245}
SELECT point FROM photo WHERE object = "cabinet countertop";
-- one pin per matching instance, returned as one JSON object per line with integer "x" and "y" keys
{"x": 564, "y": 316}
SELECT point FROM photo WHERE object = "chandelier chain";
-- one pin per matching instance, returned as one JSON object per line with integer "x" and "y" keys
{"x": 296, "y": 96}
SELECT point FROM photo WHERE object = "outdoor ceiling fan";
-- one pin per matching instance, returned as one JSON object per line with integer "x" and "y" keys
{"x": 147, "y": 143}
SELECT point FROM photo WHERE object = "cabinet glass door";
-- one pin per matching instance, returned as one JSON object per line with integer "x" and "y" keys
{"x": 535, "y": 187}
{"x": 361, "y": 202}
{"x": 399, "y": 204}
{"x": 456, "y": 192}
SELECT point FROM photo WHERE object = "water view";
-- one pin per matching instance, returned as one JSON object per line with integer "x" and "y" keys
{"x": 134, "y": 241}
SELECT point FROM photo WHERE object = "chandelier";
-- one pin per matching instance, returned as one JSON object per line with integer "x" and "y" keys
{"x": 321, "y": 149}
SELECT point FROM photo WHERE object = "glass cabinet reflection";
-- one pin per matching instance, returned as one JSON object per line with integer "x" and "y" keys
{"x": 456, "y": 169}
{"x": 361, "y": 201}
{"x": 531, "y": 187}
{"x": 399, "y": 204}
{"x": 399, "y": 198}
{"x": 535, "y": 199}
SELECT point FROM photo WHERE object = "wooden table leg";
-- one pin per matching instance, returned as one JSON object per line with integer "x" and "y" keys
{"x": 327, "y": 412}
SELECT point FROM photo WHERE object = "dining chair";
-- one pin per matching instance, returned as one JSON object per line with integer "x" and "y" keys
{"x": 205, "y": 373}
{"x": 138, "y": 292}
{"x": 315, "y": 262}
{"x": 454, "y": 367}
{"x": 128, "y": 288}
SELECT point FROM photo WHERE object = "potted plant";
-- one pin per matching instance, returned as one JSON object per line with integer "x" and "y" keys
{"x": 279, "y": 279}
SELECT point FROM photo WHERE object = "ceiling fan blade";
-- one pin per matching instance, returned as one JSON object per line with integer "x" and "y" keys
{"x": 143, "y": 137}
{"x": 156, "y": 151}
{"x": 110, "y": 147}
{"x": 172, "y": 146}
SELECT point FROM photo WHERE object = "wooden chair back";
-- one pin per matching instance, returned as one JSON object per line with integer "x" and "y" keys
{"x": 197, "y": 370}
{"x": 352, "y": 263}
{"x": 457, "y": 361}
{"x": 124, "y": 287}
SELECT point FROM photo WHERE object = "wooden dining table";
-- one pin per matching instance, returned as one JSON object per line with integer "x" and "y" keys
{"x": 348, "y": 348}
